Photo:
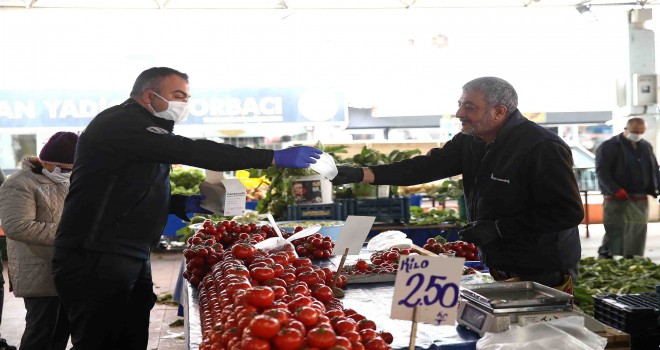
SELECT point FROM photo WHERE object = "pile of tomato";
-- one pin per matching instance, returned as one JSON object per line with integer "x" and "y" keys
{"x": 460, "y": 248}
{"x": 381, "y": 262}
{"x": 315, "y": 246}
{"x": 253, "y": 300}
{"x": 229, "y": 232}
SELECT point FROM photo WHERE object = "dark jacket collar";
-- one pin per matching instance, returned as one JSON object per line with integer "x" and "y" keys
{"x": 514, "y": 120}
{"x": 163, "y": 123}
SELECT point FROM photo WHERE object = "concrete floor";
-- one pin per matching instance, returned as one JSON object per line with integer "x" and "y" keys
{"x": 165, "y": 268}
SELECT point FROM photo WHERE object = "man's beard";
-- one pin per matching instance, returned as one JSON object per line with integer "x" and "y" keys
{"x": 484, "y": 124}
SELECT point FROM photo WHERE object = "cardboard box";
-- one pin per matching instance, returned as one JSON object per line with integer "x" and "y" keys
{"x": 224, "y": 196}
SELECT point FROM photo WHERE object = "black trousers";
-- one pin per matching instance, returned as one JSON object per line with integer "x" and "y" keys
{"x": 108, "y": 298}
{"x": 46, "y": 324}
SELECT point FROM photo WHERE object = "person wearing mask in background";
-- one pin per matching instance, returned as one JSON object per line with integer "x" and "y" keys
{"x": 3, "y": 341}
{"x": 118, "y": 204}
{"x": 31, "y": 202}
{"x": 627, "y": 171}
{"x": 520, "y": 190}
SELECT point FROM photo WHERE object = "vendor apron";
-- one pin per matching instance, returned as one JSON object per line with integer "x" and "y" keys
{"x": 625, "y": 224}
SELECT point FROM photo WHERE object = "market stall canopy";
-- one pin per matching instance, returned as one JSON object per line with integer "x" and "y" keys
{"x": 309, "y": 4}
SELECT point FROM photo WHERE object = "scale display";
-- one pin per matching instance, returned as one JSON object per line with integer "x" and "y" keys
{"x": 473, "y": 316}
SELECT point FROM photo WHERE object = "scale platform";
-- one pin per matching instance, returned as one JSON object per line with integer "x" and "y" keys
{"x": 494, "y": 307}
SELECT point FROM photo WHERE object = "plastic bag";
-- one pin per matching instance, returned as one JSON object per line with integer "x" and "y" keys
{"x": 275, "y": 244}
{"x": 563, "y": 333}
{"x": 388, "y": 239}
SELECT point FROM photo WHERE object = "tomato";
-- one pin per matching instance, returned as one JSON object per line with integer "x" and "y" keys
{"x": 282, "y": 315}
{"x": 264, "y": 326}
{"x": 354, "y": 337}
{"x": 323, "y": 293}
{"x": 366, "y": 324}
{"x": 289, "y": 339}
{"x": 387, "y": 337}
{"x": 321, "y": 338}
{"x": 292, "y": 323}
{"x": 259, "y": 296}
{"x": 307, "y": 315}
{"x": 375, "y": 344}
{"x": 279, "y": 291}
{"x": 343, "y": 342}
{"x": 367, "y": 334}
{"x": 344, "y": 326}
{"x": 253, "y": 343}
{"x": 235, "y": 286}
{"x": 391, "y": 256}
{"x": 262, "y": 273}
{"x": 361, "y": 265}
{"x": 299, "y": 302}
{"x": 302, "y": 262}
{"x": 333, "y": 313}
{"x": 229, "y": 335}
{"x": 310, "y": 278}
{"x": 243, "y": 251}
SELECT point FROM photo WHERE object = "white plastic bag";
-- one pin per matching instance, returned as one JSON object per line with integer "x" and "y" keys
{"x": 563, "y": 333}
{"x": 388, "y": 239}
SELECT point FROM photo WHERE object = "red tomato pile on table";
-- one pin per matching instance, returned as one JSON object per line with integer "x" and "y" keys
{"x": 253, "y": 300}
{"x": 314, "y": 246}
{"x": 462, "y": 249}
{"x": 229, "y": 232}
{"x": 381, "y": 262}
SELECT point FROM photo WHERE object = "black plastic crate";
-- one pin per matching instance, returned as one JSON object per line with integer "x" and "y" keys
{"x": 635, "y": 314}
{"x": 348, "y": 206}
{"x": 332, "y": 211}
{"x": 394, "y": 210}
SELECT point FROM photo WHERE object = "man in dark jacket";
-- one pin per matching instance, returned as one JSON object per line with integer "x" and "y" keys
{"x": 118, "y": 204}
{"x": 627, "y": 172}
{"x": 520, "y": 191}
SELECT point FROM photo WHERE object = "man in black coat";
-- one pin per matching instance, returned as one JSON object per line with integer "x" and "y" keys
{"x": 520, "y": 190}
{"x": 118, "y": 204}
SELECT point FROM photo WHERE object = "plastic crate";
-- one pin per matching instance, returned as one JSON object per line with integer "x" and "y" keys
{"x": 334, "y": 211}
{"x": 394, "y": 210}
{"x": 348, "y": 206}
{"x": 635, "y": 314}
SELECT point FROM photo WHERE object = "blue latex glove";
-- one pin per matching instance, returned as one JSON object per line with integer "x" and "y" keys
{"x": 480, "y": 232}
{"x": 191, "y": 204}
{"x": 297, "y": 157}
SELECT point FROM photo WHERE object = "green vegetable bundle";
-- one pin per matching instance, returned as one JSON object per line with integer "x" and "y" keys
{"x": 622, "y": 276}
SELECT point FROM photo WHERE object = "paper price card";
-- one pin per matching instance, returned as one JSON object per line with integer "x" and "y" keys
{"x": 429, "y": 283}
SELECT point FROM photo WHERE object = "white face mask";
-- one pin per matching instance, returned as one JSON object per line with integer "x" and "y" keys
{"x": 633, "y": 137}
{"x": 57, "y": 176}
{"x": 176, "y": 111}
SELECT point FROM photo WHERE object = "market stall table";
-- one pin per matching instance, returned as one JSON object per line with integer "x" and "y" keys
{"x": 371, "y": 300}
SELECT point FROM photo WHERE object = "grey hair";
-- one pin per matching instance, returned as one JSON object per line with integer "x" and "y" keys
{"x": 497, "y": 91}
{"x": 151, "y": 78}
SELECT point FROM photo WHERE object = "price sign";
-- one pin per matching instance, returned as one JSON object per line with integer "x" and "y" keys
{"x": 429, "y": 283}
{"x": 353, "y": 234}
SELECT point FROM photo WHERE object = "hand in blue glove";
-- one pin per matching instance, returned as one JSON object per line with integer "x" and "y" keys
{"x": 191, "y": 204}
{"x": 480, "y": 232}
{"x": 348, "y": 175}
{"x": 297, "y": 157}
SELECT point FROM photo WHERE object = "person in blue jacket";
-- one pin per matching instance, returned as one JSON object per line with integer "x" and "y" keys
{"x": 521, "y": 195}
{"x": 118, "y": 204}
{"x": 627, "y": 172}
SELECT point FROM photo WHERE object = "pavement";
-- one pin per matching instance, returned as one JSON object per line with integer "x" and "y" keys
{"x": 164, "y": 335}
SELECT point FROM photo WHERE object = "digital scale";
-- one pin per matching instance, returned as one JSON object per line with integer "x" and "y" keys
{"x": 493, "y": 307}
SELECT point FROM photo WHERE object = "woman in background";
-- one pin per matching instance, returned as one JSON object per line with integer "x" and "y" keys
{"x": 31, "y": 202}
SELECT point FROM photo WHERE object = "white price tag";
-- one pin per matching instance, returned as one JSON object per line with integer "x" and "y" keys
{"x": 429, "y": 283}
